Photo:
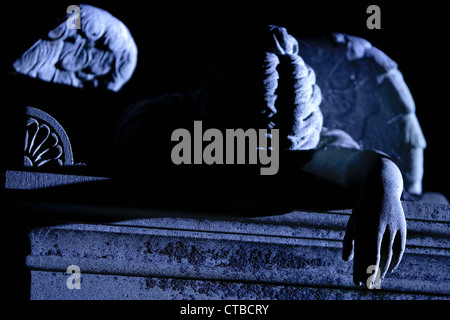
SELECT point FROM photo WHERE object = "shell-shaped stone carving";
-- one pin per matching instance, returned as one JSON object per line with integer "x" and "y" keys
{"x": 101, "y": 53}
{"x": 46, "y": 142}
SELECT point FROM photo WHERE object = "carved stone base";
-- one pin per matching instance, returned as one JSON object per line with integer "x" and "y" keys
{"x": 211, "y": 251}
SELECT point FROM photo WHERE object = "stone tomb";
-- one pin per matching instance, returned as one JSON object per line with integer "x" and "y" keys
{"x": 147, "y": 248}
{"x": 86, "y": 235}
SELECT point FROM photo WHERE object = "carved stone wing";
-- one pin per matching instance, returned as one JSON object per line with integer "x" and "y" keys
{"x": 365, "y": 95}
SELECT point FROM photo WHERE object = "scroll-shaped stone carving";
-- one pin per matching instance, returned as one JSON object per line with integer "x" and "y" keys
{"x": 101, "y": 54}
{"x": 46, "y": 142}
{"x": 365, "y": 95}
{"x": 267, "y": 80}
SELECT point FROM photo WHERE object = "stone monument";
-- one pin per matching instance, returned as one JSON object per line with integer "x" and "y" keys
{"x": 328, "y": 96}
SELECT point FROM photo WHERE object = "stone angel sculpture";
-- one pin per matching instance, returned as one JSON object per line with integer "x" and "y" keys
{"x": 264, "y": 82}
{"x": 269, "y": 80}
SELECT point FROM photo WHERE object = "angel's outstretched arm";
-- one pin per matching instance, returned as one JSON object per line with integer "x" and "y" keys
{"x": 376, "y": 231}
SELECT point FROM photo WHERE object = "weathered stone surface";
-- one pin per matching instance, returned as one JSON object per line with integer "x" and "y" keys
{"x": 23, "y": 180}
{"x": 365, "y": 95}
{"x": 150, "y": 288}
{"x": 173, "y": 254}
{"x": 100, "y": 53}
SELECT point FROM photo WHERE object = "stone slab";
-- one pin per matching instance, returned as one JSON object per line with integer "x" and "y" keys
{"x": 170, "y": 254}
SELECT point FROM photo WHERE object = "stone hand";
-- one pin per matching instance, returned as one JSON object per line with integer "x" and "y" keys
{"x": 375, "y": 237}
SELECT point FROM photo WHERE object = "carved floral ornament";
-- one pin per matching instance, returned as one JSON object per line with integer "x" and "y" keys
{"x": 100, "y": 54}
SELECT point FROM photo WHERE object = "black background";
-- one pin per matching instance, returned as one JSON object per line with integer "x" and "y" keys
{"x": 178, "y": 42}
